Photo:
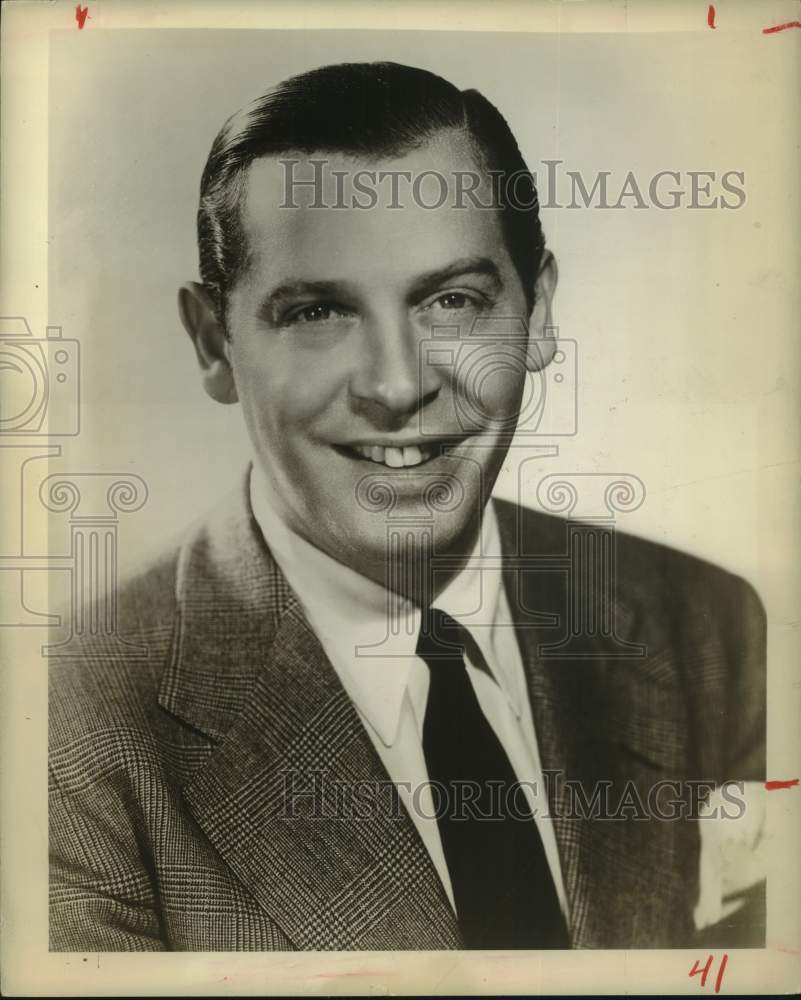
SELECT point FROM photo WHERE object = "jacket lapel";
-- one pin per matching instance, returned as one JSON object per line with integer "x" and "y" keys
{"x": 602, "y": 720}
{"x": 293, "y": 796}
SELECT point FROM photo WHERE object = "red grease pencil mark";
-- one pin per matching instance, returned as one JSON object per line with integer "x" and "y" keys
{"x": 781, "y": 27}
{"x": 710, "y": 16}
{"x": 81, "y": 13}
{"x": 719, "y": 980}
{"x": 773, "y": 786}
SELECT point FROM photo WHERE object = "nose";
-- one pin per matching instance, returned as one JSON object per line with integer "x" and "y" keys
{"x": 391, "y": 378}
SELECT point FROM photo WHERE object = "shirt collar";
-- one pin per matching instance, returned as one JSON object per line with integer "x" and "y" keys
{"x": 350, "y": 614}
{"x": 476, "y": 598}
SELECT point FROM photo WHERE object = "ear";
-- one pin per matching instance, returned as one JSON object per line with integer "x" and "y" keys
{"x": 542, "y": 341}
{"x": 199, "y": 318}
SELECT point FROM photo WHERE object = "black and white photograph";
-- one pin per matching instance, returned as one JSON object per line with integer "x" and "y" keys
{"x": 401, "y": 533}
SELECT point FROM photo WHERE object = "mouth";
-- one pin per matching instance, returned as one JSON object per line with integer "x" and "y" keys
{"x": 398, "y": 456}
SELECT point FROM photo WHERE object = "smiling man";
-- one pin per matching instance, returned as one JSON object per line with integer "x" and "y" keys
{"x": 317, "y": 328}
{"x": 345, "y": 731}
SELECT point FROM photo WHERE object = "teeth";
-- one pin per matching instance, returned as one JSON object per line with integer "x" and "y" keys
{"x": 394, "y": 458}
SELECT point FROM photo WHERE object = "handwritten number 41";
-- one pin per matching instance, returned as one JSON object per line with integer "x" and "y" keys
{"x": 704, "y": 970}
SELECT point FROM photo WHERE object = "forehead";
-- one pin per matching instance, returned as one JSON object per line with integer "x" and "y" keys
{"x": 397, "y": 236}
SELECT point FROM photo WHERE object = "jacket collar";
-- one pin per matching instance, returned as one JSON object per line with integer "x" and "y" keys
{"x": 231, "y": 598}
{"x": 604, "y": 716}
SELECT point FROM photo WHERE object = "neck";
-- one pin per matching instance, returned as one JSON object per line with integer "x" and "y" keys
{"x": 415, "y": 565}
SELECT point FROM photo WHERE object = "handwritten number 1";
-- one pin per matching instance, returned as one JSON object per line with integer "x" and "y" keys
{"x": 719, "y": 980}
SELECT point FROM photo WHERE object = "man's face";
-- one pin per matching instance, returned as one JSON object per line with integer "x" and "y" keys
{"x": 350, "y": 391}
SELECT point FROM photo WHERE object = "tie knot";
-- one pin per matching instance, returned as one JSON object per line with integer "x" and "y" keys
{"x": 440, "y": 637}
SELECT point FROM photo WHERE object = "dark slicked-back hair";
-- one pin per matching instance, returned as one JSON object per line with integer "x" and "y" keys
{"x": 376, "y": 110}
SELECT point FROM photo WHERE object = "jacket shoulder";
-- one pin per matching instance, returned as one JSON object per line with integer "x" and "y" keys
{"x": 650, "y": 579}
{"x": 105, "y": 679}
{"x": 701, "y": 630}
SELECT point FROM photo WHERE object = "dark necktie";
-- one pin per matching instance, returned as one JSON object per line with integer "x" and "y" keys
{"x": 504, "y": 893}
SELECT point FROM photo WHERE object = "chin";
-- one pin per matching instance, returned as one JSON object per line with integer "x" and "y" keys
{"x": 381, "y": 539}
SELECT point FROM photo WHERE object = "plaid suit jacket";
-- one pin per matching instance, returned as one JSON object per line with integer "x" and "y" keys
{"x": 171, "y": 746}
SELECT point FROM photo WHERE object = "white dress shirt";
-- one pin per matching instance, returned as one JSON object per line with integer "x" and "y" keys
{"x": 388, "y": 683}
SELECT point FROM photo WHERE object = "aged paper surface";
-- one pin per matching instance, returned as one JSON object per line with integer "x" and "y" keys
{"x": 665, "y": 143}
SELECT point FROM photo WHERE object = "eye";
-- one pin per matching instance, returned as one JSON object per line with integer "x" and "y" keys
{"x": 317, "y": 312}
{"x": 458, "y": 301}
{"x": 455, "y": 301}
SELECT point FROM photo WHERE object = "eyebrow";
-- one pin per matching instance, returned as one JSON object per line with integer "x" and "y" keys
{"x": 296, "y": 288}
{"x": 465, "y": 265}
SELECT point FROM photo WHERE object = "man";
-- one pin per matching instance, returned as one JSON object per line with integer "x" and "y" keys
{"x": 355, "y": 723}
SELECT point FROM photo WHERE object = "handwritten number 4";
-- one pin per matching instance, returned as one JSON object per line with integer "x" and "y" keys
{"x": 703, "y": 971}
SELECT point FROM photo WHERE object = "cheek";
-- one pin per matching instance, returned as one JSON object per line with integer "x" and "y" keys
{"x": 280, "y": 390}
{"x": 490, "y": 381}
